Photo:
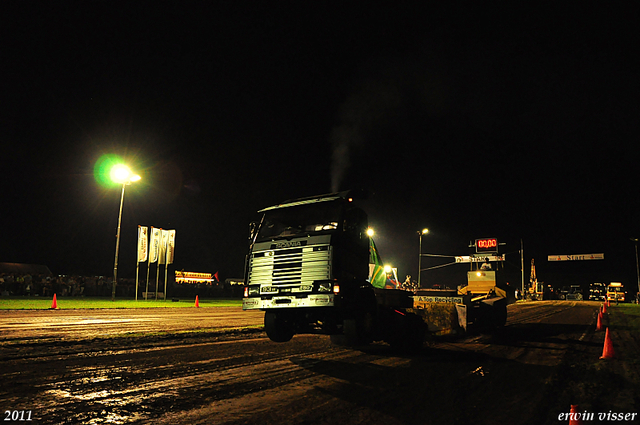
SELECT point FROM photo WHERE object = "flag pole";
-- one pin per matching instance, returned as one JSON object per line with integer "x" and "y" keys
{"x": 138, "y": 262}
{"x": 166, "y": 269}
{"x": 146, "y": 293}
{"x": 157, "y": 278}
{"x": 171, "y": 240}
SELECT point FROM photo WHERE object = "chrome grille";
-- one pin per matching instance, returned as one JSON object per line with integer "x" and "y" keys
{"x": 291, "y": 266}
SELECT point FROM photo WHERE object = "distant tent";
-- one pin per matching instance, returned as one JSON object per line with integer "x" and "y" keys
{"x": 22, "y": 268}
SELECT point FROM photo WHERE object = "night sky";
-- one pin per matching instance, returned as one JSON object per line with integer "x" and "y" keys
{"x": 510, "y": 122}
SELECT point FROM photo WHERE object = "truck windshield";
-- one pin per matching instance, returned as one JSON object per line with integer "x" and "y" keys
{"x": 301, "y": 220}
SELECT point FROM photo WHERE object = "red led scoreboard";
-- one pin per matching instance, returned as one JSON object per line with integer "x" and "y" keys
{"x": 486, "y": 245}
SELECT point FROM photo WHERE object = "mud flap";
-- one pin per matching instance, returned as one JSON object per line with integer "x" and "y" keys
{"x": 461, "y": 310}
{"x": 492, "y": 314}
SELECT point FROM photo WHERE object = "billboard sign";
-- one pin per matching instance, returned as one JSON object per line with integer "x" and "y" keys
{"x": 578, "y": 257}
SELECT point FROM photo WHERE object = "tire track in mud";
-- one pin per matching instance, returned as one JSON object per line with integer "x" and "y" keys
{"x": 121, "y": 385}
{"x": 195, "y": 377}
{"x": 17, "y": 326}
{"x": 536, "y": 311}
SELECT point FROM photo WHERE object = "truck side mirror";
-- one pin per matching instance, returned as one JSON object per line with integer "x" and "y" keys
{"x": 253, "y": 228}
{"x": 355, "y": 221}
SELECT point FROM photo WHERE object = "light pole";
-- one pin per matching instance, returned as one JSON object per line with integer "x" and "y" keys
{"x": 635, "y": 241}
{"x": 423, "y": 232}
{"x": 120, "y": 174}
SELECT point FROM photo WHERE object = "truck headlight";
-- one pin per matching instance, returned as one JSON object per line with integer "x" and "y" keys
{"x": 252, "y": 291}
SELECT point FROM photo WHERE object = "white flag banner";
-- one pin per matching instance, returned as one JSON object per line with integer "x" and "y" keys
{"x": 155, "y": 244}
{"x": 162, "y": 251}
{"x": 143, "y": 247}
{"x": 171, "y": 245}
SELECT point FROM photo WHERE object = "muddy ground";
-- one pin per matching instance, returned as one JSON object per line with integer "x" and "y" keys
{"x": 217, "y": 366}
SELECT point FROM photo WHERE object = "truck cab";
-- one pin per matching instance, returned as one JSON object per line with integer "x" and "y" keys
{"x": 615, "y": 292}
{"x": 597, "y": 291}
{"x": 307, "y": 266}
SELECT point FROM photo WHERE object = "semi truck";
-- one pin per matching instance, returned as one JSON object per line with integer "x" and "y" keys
{"x": 307, "y": 268}
{"x": 616, "y": 292}
{"x": 597, "y": 291}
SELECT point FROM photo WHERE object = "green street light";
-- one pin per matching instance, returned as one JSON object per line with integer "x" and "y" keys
{"x": 120, "y": 174}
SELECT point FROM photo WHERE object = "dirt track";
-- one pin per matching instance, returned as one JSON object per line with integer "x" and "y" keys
{"x": 82, "y": 373}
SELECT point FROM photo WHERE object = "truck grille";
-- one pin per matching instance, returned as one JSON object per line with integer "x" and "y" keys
{"x": 289, "y": 266}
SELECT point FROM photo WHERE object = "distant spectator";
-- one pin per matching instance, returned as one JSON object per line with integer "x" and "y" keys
{"x": 486, "y": 265}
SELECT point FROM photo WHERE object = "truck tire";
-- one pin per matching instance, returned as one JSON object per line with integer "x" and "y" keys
{"x": 408, "y": 334}
{"x": 339, "y": 340}
{"x": 500, "y": 316}
{"x": 358, "y": 331}
{"x": 279, "y": 326}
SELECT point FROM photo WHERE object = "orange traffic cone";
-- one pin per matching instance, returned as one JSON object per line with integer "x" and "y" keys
{"x": 574, "y": 416}
{"x": 604, "y": 307}
{"x": 607, "y": 351}
{"x": 197, "y": 303}
{"x": 54, "y": 304}
{"x": 599, "y": 324}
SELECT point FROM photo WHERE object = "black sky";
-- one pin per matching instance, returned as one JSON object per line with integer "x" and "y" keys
{"x": 516, "y": 122}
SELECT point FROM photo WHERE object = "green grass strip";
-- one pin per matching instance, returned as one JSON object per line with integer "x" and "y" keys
{"x": 71, "y": 303}
{"x": 630, "y": 321}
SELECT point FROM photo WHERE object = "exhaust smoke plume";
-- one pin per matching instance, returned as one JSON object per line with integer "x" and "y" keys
{"x": 360, "y": 114}
{"x": 343, "y": 140}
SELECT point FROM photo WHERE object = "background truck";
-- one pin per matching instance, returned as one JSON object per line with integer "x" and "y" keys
{"x": 308, "y": 269}
{"x": 597, "y": 291}
{"x": 615, "y": 292}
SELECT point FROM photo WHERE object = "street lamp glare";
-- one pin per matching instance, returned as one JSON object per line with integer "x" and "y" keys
{"x": 120, "y": 173}
{"x": 370, "y": 232}
{"x": 425, "y": 231}
{"x": 135, "y": 178}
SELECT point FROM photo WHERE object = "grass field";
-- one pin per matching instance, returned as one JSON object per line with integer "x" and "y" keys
{"x": 40, "y": 303}
{"x": 625, "y": 320}
{"x": 629, "y": 320}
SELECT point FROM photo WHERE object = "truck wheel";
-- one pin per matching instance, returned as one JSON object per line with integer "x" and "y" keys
{"x": 409, "y": 333}
{"x": 358, "y": 331}
{"x": 500, "y": 316}
{"x": 338, "y": 339}
{"x": 278, "y": 326}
